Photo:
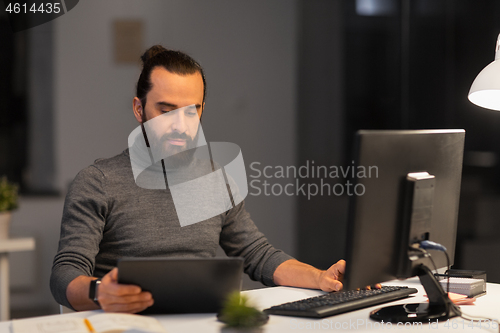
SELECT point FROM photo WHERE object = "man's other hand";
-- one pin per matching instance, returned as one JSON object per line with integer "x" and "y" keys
{"x": 115, "y": 297}
{"x": 331, "y": 279}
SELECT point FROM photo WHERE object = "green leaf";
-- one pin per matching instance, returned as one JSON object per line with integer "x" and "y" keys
{"x": 8, "y": 195}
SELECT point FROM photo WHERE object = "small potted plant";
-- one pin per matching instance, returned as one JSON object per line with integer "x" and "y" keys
{"x": 8, "y": 202}
{"x": 240, "y": 316}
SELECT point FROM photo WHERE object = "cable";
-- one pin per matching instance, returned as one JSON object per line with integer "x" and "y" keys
{"x": 470, "y": 318}
{"x": 447, "y": 271}
{"x": 430, "y": 245}
{"x": 436, "y": 246}
{"x": 427, "y": 255}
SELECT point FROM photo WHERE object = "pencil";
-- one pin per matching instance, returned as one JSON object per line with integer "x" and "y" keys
{"x": 89, "y": 325}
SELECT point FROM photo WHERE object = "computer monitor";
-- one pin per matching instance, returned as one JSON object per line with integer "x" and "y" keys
{"x": 408, "y": 186}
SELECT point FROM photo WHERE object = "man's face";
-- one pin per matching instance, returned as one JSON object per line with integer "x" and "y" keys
{"x": 176, "y": 130}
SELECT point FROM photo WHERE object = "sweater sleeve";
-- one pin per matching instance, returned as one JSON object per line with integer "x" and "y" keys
{"x": 240, "y": 237}
{"x": 82, "y": 225}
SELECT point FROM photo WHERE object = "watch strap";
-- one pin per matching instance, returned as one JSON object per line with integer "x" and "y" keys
{"x": 93, "y": 290}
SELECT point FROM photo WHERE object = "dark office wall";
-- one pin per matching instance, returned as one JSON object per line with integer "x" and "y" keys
{"x": 408, "y": 66}
{"x": 13, "y": 93}
{"x": 476, "y": 30}
{"x": 321, "y": 227}
{"x": 80, "y": 106}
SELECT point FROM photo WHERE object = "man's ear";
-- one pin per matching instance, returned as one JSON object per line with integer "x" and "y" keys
{"x": 137, "y": 108}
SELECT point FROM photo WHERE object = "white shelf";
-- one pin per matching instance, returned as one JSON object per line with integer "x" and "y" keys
{"x": 17, "y": 244}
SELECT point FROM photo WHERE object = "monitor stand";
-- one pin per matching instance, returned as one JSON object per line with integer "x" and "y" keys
{"x": 439, "y": 307}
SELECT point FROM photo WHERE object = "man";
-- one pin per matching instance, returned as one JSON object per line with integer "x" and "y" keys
{"x": 107, "y": 216}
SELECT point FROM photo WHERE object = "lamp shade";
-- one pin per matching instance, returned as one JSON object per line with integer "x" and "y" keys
{"x": 485, "y": 90}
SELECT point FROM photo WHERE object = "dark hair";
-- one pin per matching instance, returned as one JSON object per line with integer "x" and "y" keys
{"x": 176, "y": 62}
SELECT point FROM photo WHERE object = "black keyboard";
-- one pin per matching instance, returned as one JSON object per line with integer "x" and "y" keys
{"x": 340, "y": 302}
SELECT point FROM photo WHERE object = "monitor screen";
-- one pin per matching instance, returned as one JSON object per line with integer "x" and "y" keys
{"x": 379, "y": 223}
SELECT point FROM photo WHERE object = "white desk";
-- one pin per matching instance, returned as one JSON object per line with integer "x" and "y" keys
{"x": 7, "y": 246}
{"x": 486, "y": 306}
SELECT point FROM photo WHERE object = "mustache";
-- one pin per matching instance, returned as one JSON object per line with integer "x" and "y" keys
{"x": 176, "y": 136}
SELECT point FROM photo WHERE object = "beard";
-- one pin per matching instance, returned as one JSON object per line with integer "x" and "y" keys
{"x": 177, "y": 156}
{"x": 174, "y": 157}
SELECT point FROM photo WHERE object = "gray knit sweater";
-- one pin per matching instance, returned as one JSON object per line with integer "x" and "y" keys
{"x": 107, "y": 216}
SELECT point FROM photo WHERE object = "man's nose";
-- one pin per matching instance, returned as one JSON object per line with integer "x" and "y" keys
{"x": 179, "y": 122}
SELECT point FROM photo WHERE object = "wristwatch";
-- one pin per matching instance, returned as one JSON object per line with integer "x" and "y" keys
{"x": 93, "y": 290}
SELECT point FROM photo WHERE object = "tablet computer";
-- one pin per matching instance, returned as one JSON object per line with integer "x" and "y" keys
{"x": 183, "y": 285}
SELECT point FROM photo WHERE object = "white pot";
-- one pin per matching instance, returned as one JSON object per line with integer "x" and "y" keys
{"x": 5, "y": 218}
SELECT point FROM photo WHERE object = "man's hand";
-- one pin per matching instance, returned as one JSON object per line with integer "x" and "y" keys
{"x": 331, "y": 279}
{"x": 112, "y": 296}
{"x": 115, "y": 297}
{"x": 297, "y": 274}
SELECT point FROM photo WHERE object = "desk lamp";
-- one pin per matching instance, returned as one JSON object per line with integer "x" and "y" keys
{"x": 485, "y": 90}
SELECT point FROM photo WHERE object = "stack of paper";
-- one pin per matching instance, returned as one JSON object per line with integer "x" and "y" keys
{"x": 465, "y": 286}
